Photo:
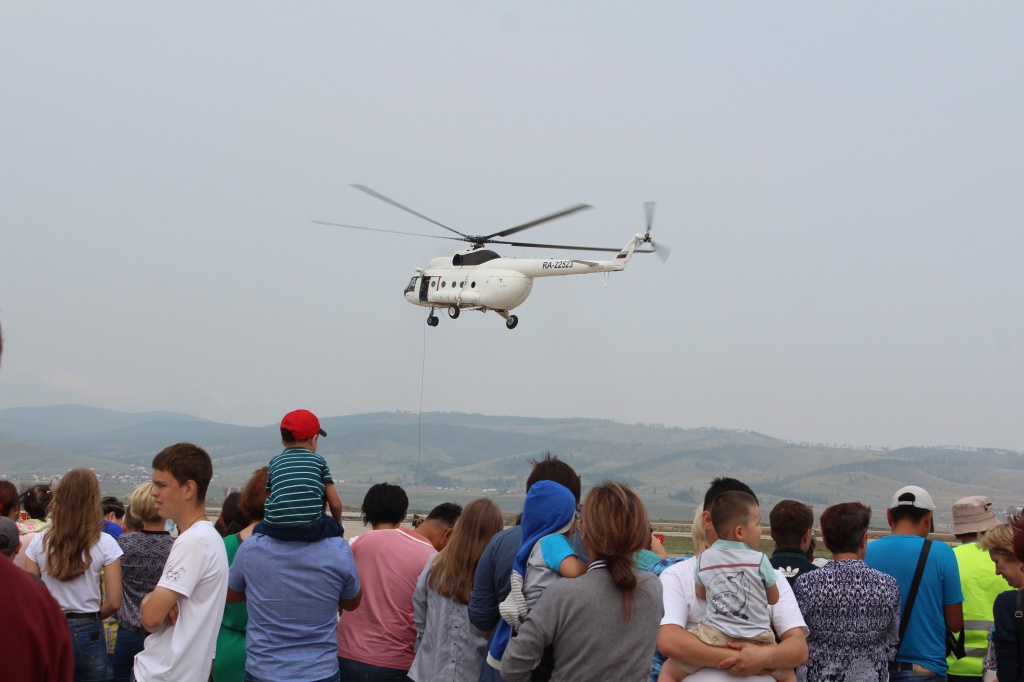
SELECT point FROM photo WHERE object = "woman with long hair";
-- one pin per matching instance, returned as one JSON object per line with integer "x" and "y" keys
{"x": 603, "y": 623}
{"x": 35, "y": 502}
{"x": 68, "y": 557}
{"x": 229, "y": 665}
{"x": 448, "y": 648}
{"x": 142, "y": 564}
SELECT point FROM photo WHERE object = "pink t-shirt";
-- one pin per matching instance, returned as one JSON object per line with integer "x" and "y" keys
{"x": 380, "y": 632}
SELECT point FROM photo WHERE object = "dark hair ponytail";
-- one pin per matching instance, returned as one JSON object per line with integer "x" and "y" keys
{"x": 36, "y": 501}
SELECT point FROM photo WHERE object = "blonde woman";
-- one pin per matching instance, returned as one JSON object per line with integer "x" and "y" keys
{"x": 145, "y": 554}
{"x": 448, "y": 647}
{"x": 68, "y": 557}
{"x": 1008, "y": 646}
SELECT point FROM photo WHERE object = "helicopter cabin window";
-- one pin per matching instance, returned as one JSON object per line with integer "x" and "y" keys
{"x": 462, "y": 284}
{"x": 475, "y": 257}
{"x": 433, "y": 284}
{"x": 443, "y": 284}
{"x": 472, "y": 285}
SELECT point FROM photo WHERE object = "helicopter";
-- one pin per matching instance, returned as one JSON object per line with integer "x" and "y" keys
{"x": 477, "y": 278}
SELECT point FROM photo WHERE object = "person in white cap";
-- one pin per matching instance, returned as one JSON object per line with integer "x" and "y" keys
{"x": 973, "y": 516}
{"x": 937, "y": 598}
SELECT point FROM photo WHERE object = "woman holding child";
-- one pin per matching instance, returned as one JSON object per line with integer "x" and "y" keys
{"x": 612, "y": 603}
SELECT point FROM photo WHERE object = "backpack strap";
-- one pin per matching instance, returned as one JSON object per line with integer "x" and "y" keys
{"x": 912, "y": 595}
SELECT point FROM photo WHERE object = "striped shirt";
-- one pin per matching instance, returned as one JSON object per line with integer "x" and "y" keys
{"x": 296, "y": 480}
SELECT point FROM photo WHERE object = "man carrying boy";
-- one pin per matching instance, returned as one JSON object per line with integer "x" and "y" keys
{"x": 185, "y": 609}
{"x": 737, "y": 582}
{"x": 299, "y": 481}
{"x": 684, "y": 610}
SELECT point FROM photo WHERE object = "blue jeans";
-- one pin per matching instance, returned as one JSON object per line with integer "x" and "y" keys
{"x": 90, "y": 647}
{"x": 911, "y": 676}
{"x": 333, "y": 678}
{"x": 128, "y": 644}
{"x": 354, "y": 671}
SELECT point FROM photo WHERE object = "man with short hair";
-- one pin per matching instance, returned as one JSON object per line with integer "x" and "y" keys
{"x": 375, "y": 641}
{"x": 292, "y": 633}
{"x": 972, "y": 517}
{"x": 684, "y": 610}
{"x": 937, "y": 607}
{"x": 791, "y": 524}
{"x": 437, "y": 527}
{"x": 185, "y": 609}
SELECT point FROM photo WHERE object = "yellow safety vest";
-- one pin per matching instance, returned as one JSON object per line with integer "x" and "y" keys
{"x": 980, "y": 586}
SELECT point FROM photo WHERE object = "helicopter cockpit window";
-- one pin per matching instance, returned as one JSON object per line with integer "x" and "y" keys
{"x": 412, "y": 285}
{"x": 479, "y": 256}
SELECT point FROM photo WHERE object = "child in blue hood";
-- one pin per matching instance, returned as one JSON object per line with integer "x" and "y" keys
{"x": 546, "y": 554}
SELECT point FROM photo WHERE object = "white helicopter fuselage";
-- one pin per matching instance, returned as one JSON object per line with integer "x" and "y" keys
{"x": 481, "y": 279}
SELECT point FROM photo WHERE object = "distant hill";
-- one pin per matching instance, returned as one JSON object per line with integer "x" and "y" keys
{"x": 75, "y": 420}
{"x": 456, "y": 456}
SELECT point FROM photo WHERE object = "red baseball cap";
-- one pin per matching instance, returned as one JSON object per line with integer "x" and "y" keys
{"x": 303, "y": 424}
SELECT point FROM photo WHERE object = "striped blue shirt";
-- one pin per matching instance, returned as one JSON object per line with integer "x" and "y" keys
{"x": 296, "y": 481}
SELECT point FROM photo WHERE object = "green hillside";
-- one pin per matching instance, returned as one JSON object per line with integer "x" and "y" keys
{"x": 457, "y": 456}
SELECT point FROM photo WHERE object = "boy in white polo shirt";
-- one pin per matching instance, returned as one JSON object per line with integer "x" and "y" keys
{"x": 184, "y": 611}
{"x": 738, "y": 582}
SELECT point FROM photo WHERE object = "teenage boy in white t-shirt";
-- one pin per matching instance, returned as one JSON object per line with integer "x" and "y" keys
{"x": 184, "y": 611}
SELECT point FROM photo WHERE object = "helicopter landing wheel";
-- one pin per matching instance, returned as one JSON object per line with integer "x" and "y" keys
{"x": 431, "y": 321}
{"x": 512, "y": 321}
{"x": 453, "y": 311}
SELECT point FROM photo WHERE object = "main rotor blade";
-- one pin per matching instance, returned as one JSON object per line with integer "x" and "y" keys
{"x": 538, "y": 221}
{"x": 377, "y": 229}
{"x": 563, "y": 246}
{"x": 378, "y": 195}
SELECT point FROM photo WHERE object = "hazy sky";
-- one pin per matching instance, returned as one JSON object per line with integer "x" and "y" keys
{"x": 842, "y": 185}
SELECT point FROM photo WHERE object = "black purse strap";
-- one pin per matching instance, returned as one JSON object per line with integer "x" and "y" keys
{"x": 1017, "y": 616}
{"x": 912, "y": 595}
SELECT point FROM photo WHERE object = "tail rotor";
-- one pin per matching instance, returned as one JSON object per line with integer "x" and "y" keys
{"x": 662, "y": 250}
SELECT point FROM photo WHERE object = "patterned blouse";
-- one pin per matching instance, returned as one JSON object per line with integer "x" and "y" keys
{"x": 145, "y": 554}
{"x": 853, "y": 614}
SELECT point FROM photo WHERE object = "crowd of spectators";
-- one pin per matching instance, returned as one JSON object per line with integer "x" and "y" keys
{"x": 559, "y": 596}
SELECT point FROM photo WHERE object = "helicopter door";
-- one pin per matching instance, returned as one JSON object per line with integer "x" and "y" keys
{"x": 424, "y": 288}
